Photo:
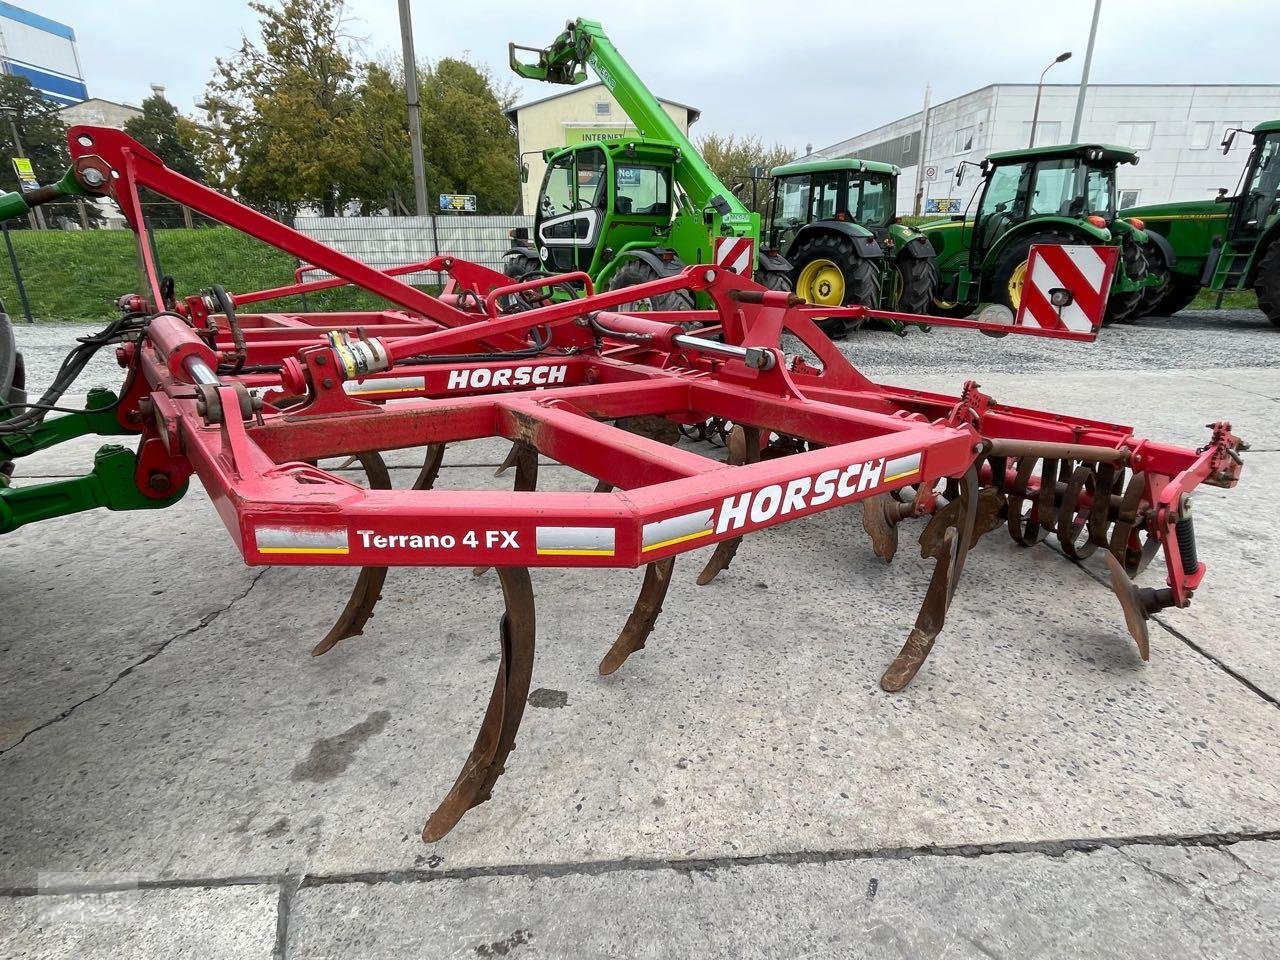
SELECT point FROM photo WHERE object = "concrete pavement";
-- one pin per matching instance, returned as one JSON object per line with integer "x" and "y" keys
{"x": 179, "y": 778}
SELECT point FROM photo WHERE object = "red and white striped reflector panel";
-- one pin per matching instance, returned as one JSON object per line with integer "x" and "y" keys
{"x": 735, "y": 254}
{"x": 1085, "y": 272}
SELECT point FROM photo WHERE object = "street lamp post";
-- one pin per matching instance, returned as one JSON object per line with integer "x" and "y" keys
{"x": 1035, "y": 117}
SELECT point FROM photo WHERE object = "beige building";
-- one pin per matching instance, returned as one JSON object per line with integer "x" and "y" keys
{"x": 97, "y": 112}
{"x": 588, "y": 112}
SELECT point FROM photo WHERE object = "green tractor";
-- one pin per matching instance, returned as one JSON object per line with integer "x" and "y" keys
{"x": 1229, "y": 243}
{"x": 1060, "y": 194}
{"x": 835, "y": 221}
{"x": 630, "y": 209}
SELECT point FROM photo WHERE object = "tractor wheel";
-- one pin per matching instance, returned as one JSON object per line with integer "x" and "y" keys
{"x": 1181, "y": 291}
{"x": 635, "y": 271}
{"x": 1010, "y": 274}
{"x": 774, "y": 280}
{"x": 1267, "y": 284}
{"x": 914, "y": 281}
{"x": 829, "y": 273}
{"x": 1151, "y": 297}
{"x": 519, "y": 266}
{"x": 1124, "y": 307}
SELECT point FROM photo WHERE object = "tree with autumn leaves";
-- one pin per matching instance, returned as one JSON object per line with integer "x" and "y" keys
{"x": 298, "y": 122}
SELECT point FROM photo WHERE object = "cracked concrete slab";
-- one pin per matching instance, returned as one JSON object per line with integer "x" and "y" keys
{"x": 1137, "y": 901}
{"x": 751, "y": 724}
{"x": 226, "y": 923}
{"x": 87, "y": 596}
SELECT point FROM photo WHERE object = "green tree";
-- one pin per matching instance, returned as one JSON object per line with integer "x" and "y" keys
{"x": 285, "y": 110}
{"x": 174, "y": 139}
{"x": 384, "y": 176}
{"x": 43, "y": 134}
{"x": 468, "y": 143}
{"x": 732, "y": 158}
{"x": 158, "y": 129}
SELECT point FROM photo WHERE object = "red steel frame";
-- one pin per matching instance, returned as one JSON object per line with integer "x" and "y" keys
{"x": 582, "y": 365}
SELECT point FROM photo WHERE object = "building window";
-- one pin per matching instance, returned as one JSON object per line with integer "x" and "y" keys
{"x": 1136, "y": 135}
{"x": 1048, "y": 133}
{"x": 964, "y": 140}
{"x": 1201, "y": 134}
{"x": 1129, "y": 198}
{"x": 603, "y": 108}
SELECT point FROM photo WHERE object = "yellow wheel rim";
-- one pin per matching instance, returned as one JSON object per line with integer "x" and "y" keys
{"x": 1016, "y": 281}
{"x": 821, "y": 282}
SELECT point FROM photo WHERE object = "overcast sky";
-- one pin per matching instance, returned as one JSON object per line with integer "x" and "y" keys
{"x": 790, "y": 72}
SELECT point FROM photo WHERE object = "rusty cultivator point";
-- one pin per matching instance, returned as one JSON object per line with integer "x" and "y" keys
{"x": 252, "y": 402}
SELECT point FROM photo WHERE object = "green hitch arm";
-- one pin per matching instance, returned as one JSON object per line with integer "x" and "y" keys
{"x": 18, "y": 204}
{"x": 97, "y": 418}
{"x": 111, "y": 485}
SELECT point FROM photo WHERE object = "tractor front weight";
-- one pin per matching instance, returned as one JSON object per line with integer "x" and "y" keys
{"x": 251, "y": 403}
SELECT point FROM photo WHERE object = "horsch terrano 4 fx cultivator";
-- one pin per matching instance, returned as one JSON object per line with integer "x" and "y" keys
{"x": 250, "y": 403}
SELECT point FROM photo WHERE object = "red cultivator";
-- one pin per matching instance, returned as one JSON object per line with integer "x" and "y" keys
{"x": 250, "y": 403}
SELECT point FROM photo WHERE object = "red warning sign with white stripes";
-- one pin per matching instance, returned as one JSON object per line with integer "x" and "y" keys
{"x": 735, "y": 254}
{"x": 1067, "y": 286}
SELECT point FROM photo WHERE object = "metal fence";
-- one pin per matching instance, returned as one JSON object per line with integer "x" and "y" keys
{"x": 76, "y": 274}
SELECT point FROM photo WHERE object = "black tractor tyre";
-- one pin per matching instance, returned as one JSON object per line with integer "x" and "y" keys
{"x": 1124, "y": 307}
{"x": 1267, "y": 283}
{"x": 997, "y": 288}
{"x": 635, "y": 271}
{"x": 1151, "y": 297}
{"x": 918, "y": 284}
{"x": 519, "y": 266}
{"x": 862, "y": 277}
{"x": 1181, "y": 291}
{"x": 774, "y": 280}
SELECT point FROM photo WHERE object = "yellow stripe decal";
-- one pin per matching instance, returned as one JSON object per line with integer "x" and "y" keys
{"x": 328, "y": 550}
{"x": 575, "y": 553}
{"x": 675, "y": 540}
{"x": 899, "y": 476}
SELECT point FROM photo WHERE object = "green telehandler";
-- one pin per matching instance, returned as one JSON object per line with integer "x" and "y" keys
{"x": 836, "y": 222}
{"x": 1228, "y": 243}
{"x": 1062, "y": 194}
{"x": 634, "y": 208}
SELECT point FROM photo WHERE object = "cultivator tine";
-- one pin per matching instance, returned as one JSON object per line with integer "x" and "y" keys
{"x": 430, "y": 467}
{"x": 368, "y": 589}
{"x": 524, "y": 458}
{"x": 359, "y": 609}
{"x": 880, "y": 518}
{"x": 497, "y": 734}
{"x": 744, "y": 447}
{"x": 1132, "y": 603}
{"x": 657, "y": 578}
{"x": 950, "y": 551}
{"x": 513, "y": 455}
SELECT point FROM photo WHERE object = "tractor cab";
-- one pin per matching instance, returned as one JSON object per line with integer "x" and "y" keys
{"x": 1053, "y": 194}
{"x": 845, "y": 191}
{"x": 836, "y": 222}
{"x": 1257, "y": 208}
{"x": 599, "y": 198}
{"x": 1076, "y": 182}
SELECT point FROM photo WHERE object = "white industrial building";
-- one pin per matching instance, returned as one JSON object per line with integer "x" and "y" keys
{"x": 1175, "y": 129}
{"x": 43, "y": 51}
